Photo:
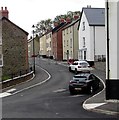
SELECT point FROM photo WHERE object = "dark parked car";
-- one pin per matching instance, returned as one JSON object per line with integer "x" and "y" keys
{"x": 86, "y": 82}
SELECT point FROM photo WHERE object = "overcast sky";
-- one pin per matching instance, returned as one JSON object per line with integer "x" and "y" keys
{"x": 25, "y": 13}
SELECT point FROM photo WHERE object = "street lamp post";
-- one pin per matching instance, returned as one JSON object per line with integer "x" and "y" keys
{"x": 33, "y": 51}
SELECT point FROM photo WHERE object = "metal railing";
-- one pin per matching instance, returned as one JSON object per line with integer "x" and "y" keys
{"x": 17, "y": 74}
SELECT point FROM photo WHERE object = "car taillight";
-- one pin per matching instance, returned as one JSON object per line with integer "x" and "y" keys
{"x": 71, "y": 82}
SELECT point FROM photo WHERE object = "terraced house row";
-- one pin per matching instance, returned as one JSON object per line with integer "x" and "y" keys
{"x": 83, "y": 38}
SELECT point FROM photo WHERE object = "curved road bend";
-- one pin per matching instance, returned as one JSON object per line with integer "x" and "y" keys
{"x": 48, "y": 100}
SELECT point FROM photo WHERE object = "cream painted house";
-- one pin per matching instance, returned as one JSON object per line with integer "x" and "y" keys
{"x": 70, "y": 41}
{"x": 43, "y": 49}
{"x": 49, "y": 52}
{"x": 36, "y": 46}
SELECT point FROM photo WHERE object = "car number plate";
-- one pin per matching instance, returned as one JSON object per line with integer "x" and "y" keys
{"x": 84, "y": 66}
{"x": 78, "y": 89}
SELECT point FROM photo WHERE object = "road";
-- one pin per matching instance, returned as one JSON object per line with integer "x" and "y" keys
{"x": 48, "y": 99}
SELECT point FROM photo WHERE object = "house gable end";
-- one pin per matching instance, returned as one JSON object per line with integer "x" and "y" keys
{"x": 4, "y": 18}
{"x": 95, "y": 16}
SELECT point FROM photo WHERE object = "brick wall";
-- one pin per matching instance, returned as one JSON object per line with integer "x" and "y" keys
{"x": 15, "y": 48}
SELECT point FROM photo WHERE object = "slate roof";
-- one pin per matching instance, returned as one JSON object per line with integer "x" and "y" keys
{"x": 95, "y": 16}
{"x": 72, "y": 23}
{"x": 59, "y": 26}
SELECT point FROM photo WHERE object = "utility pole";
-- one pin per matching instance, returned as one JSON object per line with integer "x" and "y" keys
{"x": 33, "y": 51}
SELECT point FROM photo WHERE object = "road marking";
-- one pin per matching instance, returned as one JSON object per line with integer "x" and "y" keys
{"x": 11, "y": 90}
{"x": 4, "y": 94}
{"x": 93, "y": 105}
{"x": 60, "y": 90}
{"x": 73, "y": 96}
{"x": 7, "y": 93}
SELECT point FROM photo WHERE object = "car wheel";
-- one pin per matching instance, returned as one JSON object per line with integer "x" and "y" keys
{"x": 90, "y": 90}
{"x": 76, "y": 71}
{"x": 71, "y": 91}
{"x": 70, "y": 69}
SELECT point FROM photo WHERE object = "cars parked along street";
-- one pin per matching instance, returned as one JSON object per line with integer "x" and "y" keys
{"x": 80, "y": 66}
{"x": 85, "y": 82}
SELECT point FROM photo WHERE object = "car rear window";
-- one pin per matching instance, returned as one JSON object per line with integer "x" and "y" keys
{"x": 75, "y": 63}
{"x": 80, "y": 78}
{"x": 84, "y": 64}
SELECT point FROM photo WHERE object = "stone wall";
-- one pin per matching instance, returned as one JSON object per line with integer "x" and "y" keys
{"x": 17, "y": 80}
{"x": 0, "y": 73}
{"x": 15, "y": 48}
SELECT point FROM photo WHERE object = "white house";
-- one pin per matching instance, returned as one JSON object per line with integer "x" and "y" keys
{"x": 112, "y": 49}
{"x": 92, "y": 39}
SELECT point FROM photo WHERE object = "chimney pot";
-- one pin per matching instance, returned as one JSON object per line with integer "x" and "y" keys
{"x": 1, "y": 8}
{"x": 76, "y": 17}
{"x": 88, "y": 6}
{"x": 62, "y": 20}
{"x": 4, "y": 13}
{"x": 68, "y": 20}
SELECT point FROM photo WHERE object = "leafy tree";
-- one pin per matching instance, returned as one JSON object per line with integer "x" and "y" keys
{"x": 43, "y": 26}
{"x": 69, "y": 15}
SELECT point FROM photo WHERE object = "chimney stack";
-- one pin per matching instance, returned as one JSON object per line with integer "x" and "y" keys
{"x": 4, "y": 12}
{"x": 88, "y": 6}
{"x": 76, "y": 17}
{"x": 68, "y": 20}
{"x": 62, "y": 20}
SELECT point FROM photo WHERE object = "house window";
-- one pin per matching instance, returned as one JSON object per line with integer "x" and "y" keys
{"x": 70, "y": 43}
{"x": 67, "y": 54}
{"x": 71, "y": 54}
{"x": 47, "y": 45}
{"x": 50, "y": 35}
{"x": 63, "y": 33}
{"x": 46, "y": 36}
{"x": 70, "y": 29}
{"x": 50, "y": 44}
{"x": 80, "y": 55}
{"x": 67, "y": 42}
{"x": 84, "y": 42}
{"x": 1, "y": 60}
{"x": 83, "y": 26}
{"x": 64, "y": 43}
{"x": 67, "y": 30}
{"x": 84, "y": 55}
{"x": 0, "y": 41}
